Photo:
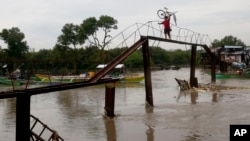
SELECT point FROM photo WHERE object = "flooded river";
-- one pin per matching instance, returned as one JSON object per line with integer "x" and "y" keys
{"x": 77, "y": 114}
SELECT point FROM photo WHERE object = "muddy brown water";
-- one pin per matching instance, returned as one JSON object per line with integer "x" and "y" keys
{"x": 77, "y": 114}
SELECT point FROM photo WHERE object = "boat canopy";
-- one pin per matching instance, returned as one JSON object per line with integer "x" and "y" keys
{"x": 228, "y": 46}
{"x": 232, "y": 53}
{"x": 119, "y": 66}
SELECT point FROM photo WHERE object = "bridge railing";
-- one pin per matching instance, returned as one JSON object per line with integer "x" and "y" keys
{"x": 132, "y": 33}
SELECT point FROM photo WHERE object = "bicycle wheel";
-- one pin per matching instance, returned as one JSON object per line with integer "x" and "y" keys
{"x": 161, "y": 14}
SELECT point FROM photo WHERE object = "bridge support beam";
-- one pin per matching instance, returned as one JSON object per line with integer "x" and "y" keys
{"x": 23, "y": 117}
{"x": 109, "y": 101}
{"x": 147, "y": 74}
{"x": 193, "y": 80}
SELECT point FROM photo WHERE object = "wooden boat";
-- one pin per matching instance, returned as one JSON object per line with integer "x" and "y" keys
{"x": 132, "y": 79}
{"x": 7, "y": 81}
{"x": 120, "y": 72}
{"x": 225, "y": 76}
{"x": 230, "y": 74}
{"x": 61, "y": 79}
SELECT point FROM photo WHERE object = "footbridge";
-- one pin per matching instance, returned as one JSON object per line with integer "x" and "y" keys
{"x": 151, "y": 34}
{"x": 135, "y": 36}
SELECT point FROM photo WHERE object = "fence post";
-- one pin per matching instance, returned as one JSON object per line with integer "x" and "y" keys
{"x": 213, "y": 69}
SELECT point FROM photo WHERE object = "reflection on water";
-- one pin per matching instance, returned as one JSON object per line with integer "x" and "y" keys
{"x": 194, "y": 96}
{"x": 110, "y": 129}
{"x": 149, "y": 116}
{"x": 177, "y": 115}
{"x": 214, "y": 97}
{"x": 150, "y": 134}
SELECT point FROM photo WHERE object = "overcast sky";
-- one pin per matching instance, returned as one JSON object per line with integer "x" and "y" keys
{"x": 42, "y": 20}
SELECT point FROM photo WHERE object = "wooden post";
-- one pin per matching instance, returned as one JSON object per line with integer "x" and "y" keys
{"x": 221, "y": 66}
{"x": 213, "y": 69}
{"x": 23, "y": 117}
{"x": 147, "y": 74}
{"x": 192, "y": 68}
{"x": 109, "y": 101}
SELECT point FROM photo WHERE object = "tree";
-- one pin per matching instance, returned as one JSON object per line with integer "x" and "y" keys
{"x": 106, "y": 23}
{"x": 180, "y": 57}
{"x": 228, "y": 40}
{"x": 69, "y": 35}
{"x": 159, "y": 56}
{"x": 14, "y": 38}
{"x": 89, "y": 28}
{"x": 135, "y": 60}
{"x": 61, "y": 51}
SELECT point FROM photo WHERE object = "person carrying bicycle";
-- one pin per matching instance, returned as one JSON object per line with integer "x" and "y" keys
{"x": 166, "y": 24}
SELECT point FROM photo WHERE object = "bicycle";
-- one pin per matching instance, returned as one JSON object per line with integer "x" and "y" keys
{"x": 165, "y": 13}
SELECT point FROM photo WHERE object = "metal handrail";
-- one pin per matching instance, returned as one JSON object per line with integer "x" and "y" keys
{"x": 38, "y": 137}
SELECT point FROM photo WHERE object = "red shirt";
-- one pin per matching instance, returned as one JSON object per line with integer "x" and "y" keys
{"x": 166, "y": 23}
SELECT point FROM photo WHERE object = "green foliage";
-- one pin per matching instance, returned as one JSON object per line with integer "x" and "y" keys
{"x": 90, "y": 26}
{"x": 228, "y": 40}
{"x": 107, "y": 23}
{"x": 61, "y": 51}
{"x": 14, "y": 38}
{"x": 87, "y": 31}
{"x": 89, "y": 58}
{"x": 180, "y": 57}
{"x": 69, "y": 35}
{"x": 159, "y": 56}
{"x": 135, "y": 60}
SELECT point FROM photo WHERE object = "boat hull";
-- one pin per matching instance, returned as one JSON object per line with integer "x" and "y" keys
{"x": 7, "y": 81}
{"x": 133, "y": 79}
{"x": 60, "y": 79}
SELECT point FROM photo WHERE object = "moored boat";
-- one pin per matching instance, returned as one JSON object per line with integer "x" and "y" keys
{"x": 132, "y": 79}
{"x": 61, "y": 79}
{"x": 120, "y": 72}
{"x": 7, "y": 81}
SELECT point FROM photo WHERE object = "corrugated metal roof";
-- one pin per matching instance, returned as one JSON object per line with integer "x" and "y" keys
{"x": 100, "y": 66}
{"x": 232, "y": 53}
{"x": 227, "y": 46}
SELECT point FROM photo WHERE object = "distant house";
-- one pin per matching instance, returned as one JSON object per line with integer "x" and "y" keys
{"x": 232, "y": 54}
{"x": 228, "y": 54}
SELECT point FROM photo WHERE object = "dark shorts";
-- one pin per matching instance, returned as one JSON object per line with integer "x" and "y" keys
{"x": 167, "y": 30}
